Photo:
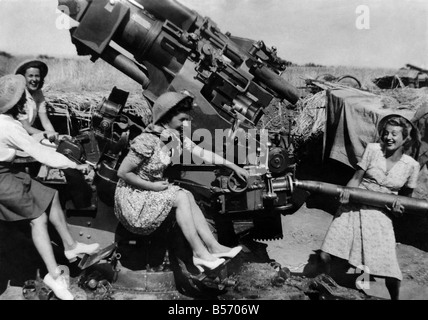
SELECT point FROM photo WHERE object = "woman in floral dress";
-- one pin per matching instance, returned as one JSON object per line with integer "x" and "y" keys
{"x": 144, "y": 198}
{"x": 362, "y": 234}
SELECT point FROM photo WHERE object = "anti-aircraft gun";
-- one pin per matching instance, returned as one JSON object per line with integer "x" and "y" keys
{"x": 232, "y": 80}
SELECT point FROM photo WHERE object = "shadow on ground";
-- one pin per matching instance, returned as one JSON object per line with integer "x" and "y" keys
{"x": 19, "y": 260}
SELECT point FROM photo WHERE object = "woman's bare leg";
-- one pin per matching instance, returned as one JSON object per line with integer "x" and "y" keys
{"x": 57, "y": 218}
{"x": 204, "y": 230}
{"x": 393, "y": 286}
{"x": 42, "y": 242}
{"x": 185, "y": 220}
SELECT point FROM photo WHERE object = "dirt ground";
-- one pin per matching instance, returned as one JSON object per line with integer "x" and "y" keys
{"x": 263, "y": 279}
{"x": 284, "y": 269}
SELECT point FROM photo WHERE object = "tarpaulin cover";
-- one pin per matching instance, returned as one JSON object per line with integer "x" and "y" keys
{"x": 351, "y": 123}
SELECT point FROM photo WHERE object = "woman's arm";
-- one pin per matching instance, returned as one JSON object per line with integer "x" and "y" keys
{"x": 27, "y": 126}
{"x": 126, "y": 173}
{"x": 21, "y": 140}
{"x": 356, "y": 179}
{"x": 46, "y": 123}
{"x": 213, "y": 158}
{"x": 397, "y": 209}
{"x": 354, "y": 182}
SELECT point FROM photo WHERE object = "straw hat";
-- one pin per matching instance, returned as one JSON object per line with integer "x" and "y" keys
{"x": 22, "y": 68}
{"x": 12, "y": 88}
{"x": 165, "y": 103}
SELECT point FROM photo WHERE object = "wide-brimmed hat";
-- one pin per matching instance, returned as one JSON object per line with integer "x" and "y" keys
{"x": 165, "y": 103}
{"x": 22, "y": 68}
{"x": 12, "y": 88}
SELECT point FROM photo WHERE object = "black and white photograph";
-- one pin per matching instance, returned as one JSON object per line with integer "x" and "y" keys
{"x": 214, "y": 154}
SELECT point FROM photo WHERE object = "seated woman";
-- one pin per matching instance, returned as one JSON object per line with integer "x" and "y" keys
{"x": 144, "y": 199}
{"x": 35, "y": 72}
{"x": 364, "y": 235}
{"x": 22, "y": 198}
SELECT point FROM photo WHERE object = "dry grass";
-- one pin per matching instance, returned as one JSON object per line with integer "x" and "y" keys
{"x": 78, "y": 74}
{"x": 81, "y": 84}
{"x": 297, "y": 75}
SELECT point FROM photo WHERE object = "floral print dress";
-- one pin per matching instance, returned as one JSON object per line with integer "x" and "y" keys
{"x": 364, "y": 235}
{"x": 143, "y": 211}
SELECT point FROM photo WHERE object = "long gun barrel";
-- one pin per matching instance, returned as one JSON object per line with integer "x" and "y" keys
{"x": 411, "y": 66}
{"x": 168, "y": 41}
{"x": 377, "y": 199}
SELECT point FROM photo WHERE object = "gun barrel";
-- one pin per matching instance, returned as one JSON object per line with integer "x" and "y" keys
{"x": 278, "y": 84}
{"x": 411, "y": 66}
{"x": 126, "y": 65}
{"x": 377, "y": 199}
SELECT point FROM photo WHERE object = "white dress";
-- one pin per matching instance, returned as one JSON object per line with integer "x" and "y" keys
{"x": 364, "y": 235}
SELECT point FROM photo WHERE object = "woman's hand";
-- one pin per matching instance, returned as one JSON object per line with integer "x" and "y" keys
{"x": 160, "y": 185}
{"x": 52, "y": 136}
{"x": 344, "y": 196}
{"x": 397, "y": 209}
{"x": 84, "y": 168}
{"x": 241, "y": 173}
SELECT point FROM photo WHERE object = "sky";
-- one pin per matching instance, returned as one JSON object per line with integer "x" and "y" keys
{"x": 360, "y": 33}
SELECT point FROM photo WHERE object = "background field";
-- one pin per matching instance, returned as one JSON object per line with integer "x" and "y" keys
{"x": 80, "y": 74}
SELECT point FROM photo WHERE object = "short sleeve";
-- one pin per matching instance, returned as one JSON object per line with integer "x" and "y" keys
{"x": 23, "y": 116}
{"x": 412, "y": 182}
{"x": 367, "y": 156}
{"x": 142, "y": 147}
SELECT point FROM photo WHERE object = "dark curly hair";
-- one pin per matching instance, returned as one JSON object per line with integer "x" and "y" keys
{"x": 42, "y": 79}
{"x": 18, "y": 108}
{"x": 183, "y": 106}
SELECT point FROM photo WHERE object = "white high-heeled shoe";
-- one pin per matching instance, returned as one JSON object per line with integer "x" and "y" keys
{"x": 230, "y": 254}
{"x": 59, "y": 287}
{"x": 80, "y": 250}
{"x": 205, "y": 264}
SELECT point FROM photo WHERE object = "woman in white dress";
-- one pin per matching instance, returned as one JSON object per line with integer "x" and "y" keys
{"x": 364, "y": 235}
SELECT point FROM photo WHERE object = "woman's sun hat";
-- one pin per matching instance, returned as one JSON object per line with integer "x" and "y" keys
{"x": 12, "y": 87}
{"x": 22, "y": 68}
{"x": 165, "y": 103}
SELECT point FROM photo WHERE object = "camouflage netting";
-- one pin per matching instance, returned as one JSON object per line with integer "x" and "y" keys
{"x": 407, "y": 98}
{"x": 305, "y": 121}
{"x": 310, "y": 118}
{"x": 83, "y": 105}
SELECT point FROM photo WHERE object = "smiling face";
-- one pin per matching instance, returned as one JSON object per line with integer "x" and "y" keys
{"x": 393, "y": 138}
{"x": 33, "y": 78}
